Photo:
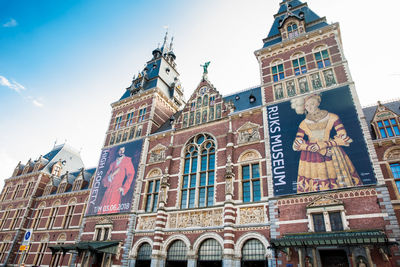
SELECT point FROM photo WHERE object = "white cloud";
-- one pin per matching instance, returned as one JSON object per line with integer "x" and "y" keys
{"x": 11, "y": 23}
{"x": 37, "y": 103}
{"x": 17, "y": 87}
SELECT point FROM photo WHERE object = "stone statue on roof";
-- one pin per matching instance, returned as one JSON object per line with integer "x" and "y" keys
{"x": 205, "y": 67}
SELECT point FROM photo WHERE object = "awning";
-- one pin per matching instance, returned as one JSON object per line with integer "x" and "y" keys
{"x": 110, "y": 247}
{"x": 63, "y": 248}
{"x": 342, "y": 238}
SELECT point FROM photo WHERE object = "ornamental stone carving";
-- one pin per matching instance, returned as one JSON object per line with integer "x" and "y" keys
{"x": 146, "y": 223}
{"x": 248, "y": 132}
{"x": 157, "y": 154}
{"x": 324, "y": 201}
{"x": 252, "y": 215}
{"x": 195, "y": 219}
{"x": 392, "y": 154}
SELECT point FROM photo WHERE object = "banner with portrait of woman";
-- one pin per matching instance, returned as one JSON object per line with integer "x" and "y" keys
{"x": 317, "y": 144}
{"x": 114, "y": 182}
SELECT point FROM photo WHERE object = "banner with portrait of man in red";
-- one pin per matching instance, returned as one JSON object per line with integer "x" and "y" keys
{"x": 114, "y": 182}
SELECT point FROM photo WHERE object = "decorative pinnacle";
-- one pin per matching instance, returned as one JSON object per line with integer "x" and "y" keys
{"x": 171, "y": 44}
{"x": 165, "y": 37}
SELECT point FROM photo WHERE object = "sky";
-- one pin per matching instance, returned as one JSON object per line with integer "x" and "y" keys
{"x": 62, "y": 63}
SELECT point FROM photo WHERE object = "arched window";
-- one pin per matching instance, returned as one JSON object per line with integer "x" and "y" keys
{"x": 253, "y": 254}
{"x": 177, "y": 254}
{"x": 144, "y": 256}
{"x": 199, "y": 172}
{"x": 210, "y": 253}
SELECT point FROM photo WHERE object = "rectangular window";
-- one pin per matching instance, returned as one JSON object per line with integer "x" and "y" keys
{"x": 322, "y": 58}
{"x": 52, "y": 217}
{"x": 395, "y": 168}
{"x": 28, "y": 189}
{"x": 388, "y": 128}
{"x": 68, "y": 216}
{"x": 299, "y": 66}
{"x": 251, "y": 182}
{"x": 18, "y": 214}
{"x": 40, "y": 254}
{"x": 4, "y": 219}
{"x": 278, "y": 73}
{"x": 319, "y": 222}
{"x": 36, "y": 221}
{"x": 152, "y": 196}
{"x": 129, "y": 118}
{"x": 118, "y": 122}
{"x": 142, "y": 114}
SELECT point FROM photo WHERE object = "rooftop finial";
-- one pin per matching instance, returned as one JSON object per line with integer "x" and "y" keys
{"x": 171, "y": 44}
{"x": 165, "y": 37}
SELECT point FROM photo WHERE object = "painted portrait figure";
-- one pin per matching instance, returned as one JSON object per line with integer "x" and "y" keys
{"x": 117, "y": 180}
{"x": 320, "y": 139}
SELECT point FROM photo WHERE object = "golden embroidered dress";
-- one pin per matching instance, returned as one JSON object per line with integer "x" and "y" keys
{"x": 323, "y": 163}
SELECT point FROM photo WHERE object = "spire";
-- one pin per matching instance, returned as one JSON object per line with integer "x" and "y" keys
{"x": 172, "y": 43}
{"x": 164, "y": 46}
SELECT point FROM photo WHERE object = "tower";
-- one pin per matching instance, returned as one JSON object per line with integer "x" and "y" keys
{"x": 154, "y": 95}
{"x": 322, "y": 169}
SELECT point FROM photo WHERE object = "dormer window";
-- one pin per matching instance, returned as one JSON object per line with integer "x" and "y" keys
{"x": 61, "y": 187}
{"x": 77, "y": 184}
{"x": 48, "y": 189}
{"x": 388, "y": 128}
{"x": 56, "y": 171}
{"x": 292, "y": 30}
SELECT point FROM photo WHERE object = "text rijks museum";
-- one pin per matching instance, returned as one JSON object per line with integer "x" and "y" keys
{"x": 290, "y": 173}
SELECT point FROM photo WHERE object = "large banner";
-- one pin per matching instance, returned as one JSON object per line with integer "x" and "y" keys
{"x": 112, "y": 189}
{"x": 317, "y": 144}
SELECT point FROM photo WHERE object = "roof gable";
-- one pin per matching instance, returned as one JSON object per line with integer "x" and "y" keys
{"x": 298, "y": 10}
{"x": 205, "y": 104}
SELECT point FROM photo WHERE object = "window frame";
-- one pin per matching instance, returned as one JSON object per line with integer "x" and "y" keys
{"x": 383, "y": 129}
{"x": 251, "y": 181}
{"x": 326, "y": 211}
{"x": 142, "y": 114}
{"x": 294, "y": 31}
{"x": 322, "y": 61}
{"x": 152, "y": 197}
{"x": 277, "y": 75}
{"x": 300, "y": 68}
{"x": 194, "y": 172}
{"x": 395, "y": 174}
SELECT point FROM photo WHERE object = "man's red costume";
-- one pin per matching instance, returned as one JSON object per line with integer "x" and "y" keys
{"x": 113, "y": 180}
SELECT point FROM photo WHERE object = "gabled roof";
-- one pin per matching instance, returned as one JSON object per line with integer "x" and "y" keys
{"x": 298, "y": 9}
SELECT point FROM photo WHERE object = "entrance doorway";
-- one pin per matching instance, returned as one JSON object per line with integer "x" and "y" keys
{"x": 334, "y": 258}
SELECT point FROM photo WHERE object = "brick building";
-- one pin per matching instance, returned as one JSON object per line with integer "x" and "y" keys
{"x": 290, "y": 173}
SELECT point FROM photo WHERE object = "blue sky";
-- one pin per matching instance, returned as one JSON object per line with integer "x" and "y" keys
{"x": 62, "y": 63}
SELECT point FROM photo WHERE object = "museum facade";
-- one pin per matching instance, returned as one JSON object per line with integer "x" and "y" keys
{"x": 293, "y": 172}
